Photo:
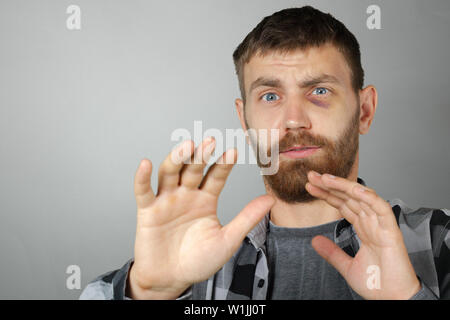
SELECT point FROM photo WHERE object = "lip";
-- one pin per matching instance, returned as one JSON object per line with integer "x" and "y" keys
{"x": 297, "y": 154}
{"x": 298, "y": 147}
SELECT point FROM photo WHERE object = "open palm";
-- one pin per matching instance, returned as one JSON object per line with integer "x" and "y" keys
{"x": 382, "y": 254}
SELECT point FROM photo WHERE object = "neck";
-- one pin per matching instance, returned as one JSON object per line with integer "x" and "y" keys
{"x": 302, "y": 215}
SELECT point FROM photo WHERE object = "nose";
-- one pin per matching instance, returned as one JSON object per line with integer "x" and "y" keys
{"x": 296, "y": 115}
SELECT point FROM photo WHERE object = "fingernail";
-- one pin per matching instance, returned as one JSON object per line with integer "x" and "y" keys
{"x": 228, "y": 158}
{"x": 361, "y": 189}
{"x": 186, "y": 152}
{"x": 316, "y": 174}
{"x": 330, "y": 176}
{"x": 207, "y": 152}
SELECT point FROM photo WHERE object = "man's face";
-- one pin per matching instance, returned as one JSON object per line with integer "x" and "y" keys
{"x": 308, "y": 96}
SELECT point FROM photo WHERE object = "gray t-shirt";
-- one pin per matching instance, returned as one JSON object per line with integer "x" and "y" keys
{"x": 296, "y": 271}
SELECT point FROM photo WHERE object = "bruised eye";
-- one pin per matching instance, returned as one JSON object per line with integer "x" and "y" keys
{"x": 270, "y": 97}
{"x": 320, "y": 91}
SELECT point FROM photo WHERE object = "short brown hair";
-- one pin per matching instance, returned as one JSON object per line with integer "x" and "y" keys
{"x": 299, "y": 28}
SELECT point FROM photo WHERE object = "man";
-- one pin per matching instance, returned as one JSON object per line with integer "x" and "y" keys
{"x": 320, "y": 232}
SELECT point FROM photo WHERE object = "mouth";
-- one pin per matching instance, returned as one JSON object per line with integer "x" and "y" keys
{"x": 299, "y": 148}
{"x": 299, "y": 152}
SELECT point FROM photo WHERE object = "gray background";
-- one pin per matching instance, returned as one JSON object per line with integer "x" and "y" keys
{"x": 80, "y": 109}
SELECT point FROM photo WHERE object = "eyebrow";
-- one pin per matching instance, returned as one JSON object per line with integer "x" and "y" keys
{"x": 311, "y": 81}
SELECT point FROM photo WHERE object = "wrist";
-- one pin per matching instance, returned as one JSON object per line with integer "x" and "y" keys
{"x": 136, "y": 291}
{"x": 412, "y": 291}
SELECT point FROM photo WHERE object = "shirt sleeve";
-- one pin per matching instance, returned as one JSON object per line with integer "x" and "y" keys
{"x": 424, "y": 293}
{"x": 112, "y": 286}
{"x": 108, "y": 286}
{"x": 440, "y": 231}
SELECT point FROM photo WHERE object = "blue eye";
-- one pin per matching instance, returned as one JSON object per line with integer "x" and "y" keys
{"x": 320, "y": 91}
{"x": 270, "y": 96}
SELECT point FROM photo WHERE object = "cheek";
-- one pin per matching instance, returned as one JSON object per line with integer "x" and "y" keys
{"x": 272, "y": 120}
{"x": 267, "y": 126}
{"x": 266, "y": 118}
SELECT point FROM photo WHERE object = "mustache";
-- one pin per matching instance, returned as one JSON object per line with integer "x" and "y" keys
{"x": 303, "y": 139}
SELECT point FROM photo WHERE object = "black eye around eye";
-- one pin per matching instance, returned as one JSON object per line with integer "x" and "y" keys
{"x": 320, "y": 91}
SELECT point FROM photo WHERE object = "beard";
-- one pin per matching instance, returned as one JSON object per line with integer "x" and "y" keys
{"x": 333, "y": 157}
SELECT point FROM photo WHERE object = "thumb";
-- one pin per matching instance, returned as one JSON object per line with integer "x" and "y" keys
{"x": 332, "y": 253}
{"x": 236, "y": 230}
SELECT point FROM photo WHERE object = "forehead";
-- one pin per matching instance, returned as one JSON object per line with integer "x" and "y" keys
{"x": 301, "y": 64}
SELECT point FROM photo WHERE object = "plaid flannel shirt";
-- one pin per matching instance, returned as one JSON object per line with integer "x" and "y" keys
{"x": 245, "y": 275}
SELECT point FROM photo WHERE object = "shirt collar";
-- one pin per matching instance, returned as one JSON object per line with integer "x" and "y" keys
{"x": 344, "y": 233}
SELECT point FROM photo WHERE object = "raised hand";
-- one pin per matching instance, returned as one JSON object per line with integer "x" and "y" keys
{"x": 382, "y": 244}
{"x": 179, "y": 238}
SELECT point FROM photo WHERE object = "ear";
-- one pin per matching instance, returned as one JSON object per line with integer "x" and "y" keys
{"x": 368, "y": 99}
{"x": 240, "y": 110}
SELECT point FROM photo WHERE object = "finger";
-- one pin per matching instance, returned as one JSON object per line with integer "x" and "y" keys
{"x": 332, "y": 253}
{"x": 324, "y": 195}
{"x": 217, "y": 175}
{"x": 377, "y": 206}
{"x": 367, "y": 227}
{"x": 375, "y": 202}
{"x": 318, "y": 181}
{"x": 192, "y": 173}
{"x": 236, "y": 230}
{"x": 364, "y": 223}
{"x": 364, "y": 207}
{"x": 385, "y": 222}
{"x": 341, "y": 188}
{"x": 142, "y": 184}
{"x": 169, "y": 170}
{"x": 350, "y": 188}
{"x": 336, "y": 202}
